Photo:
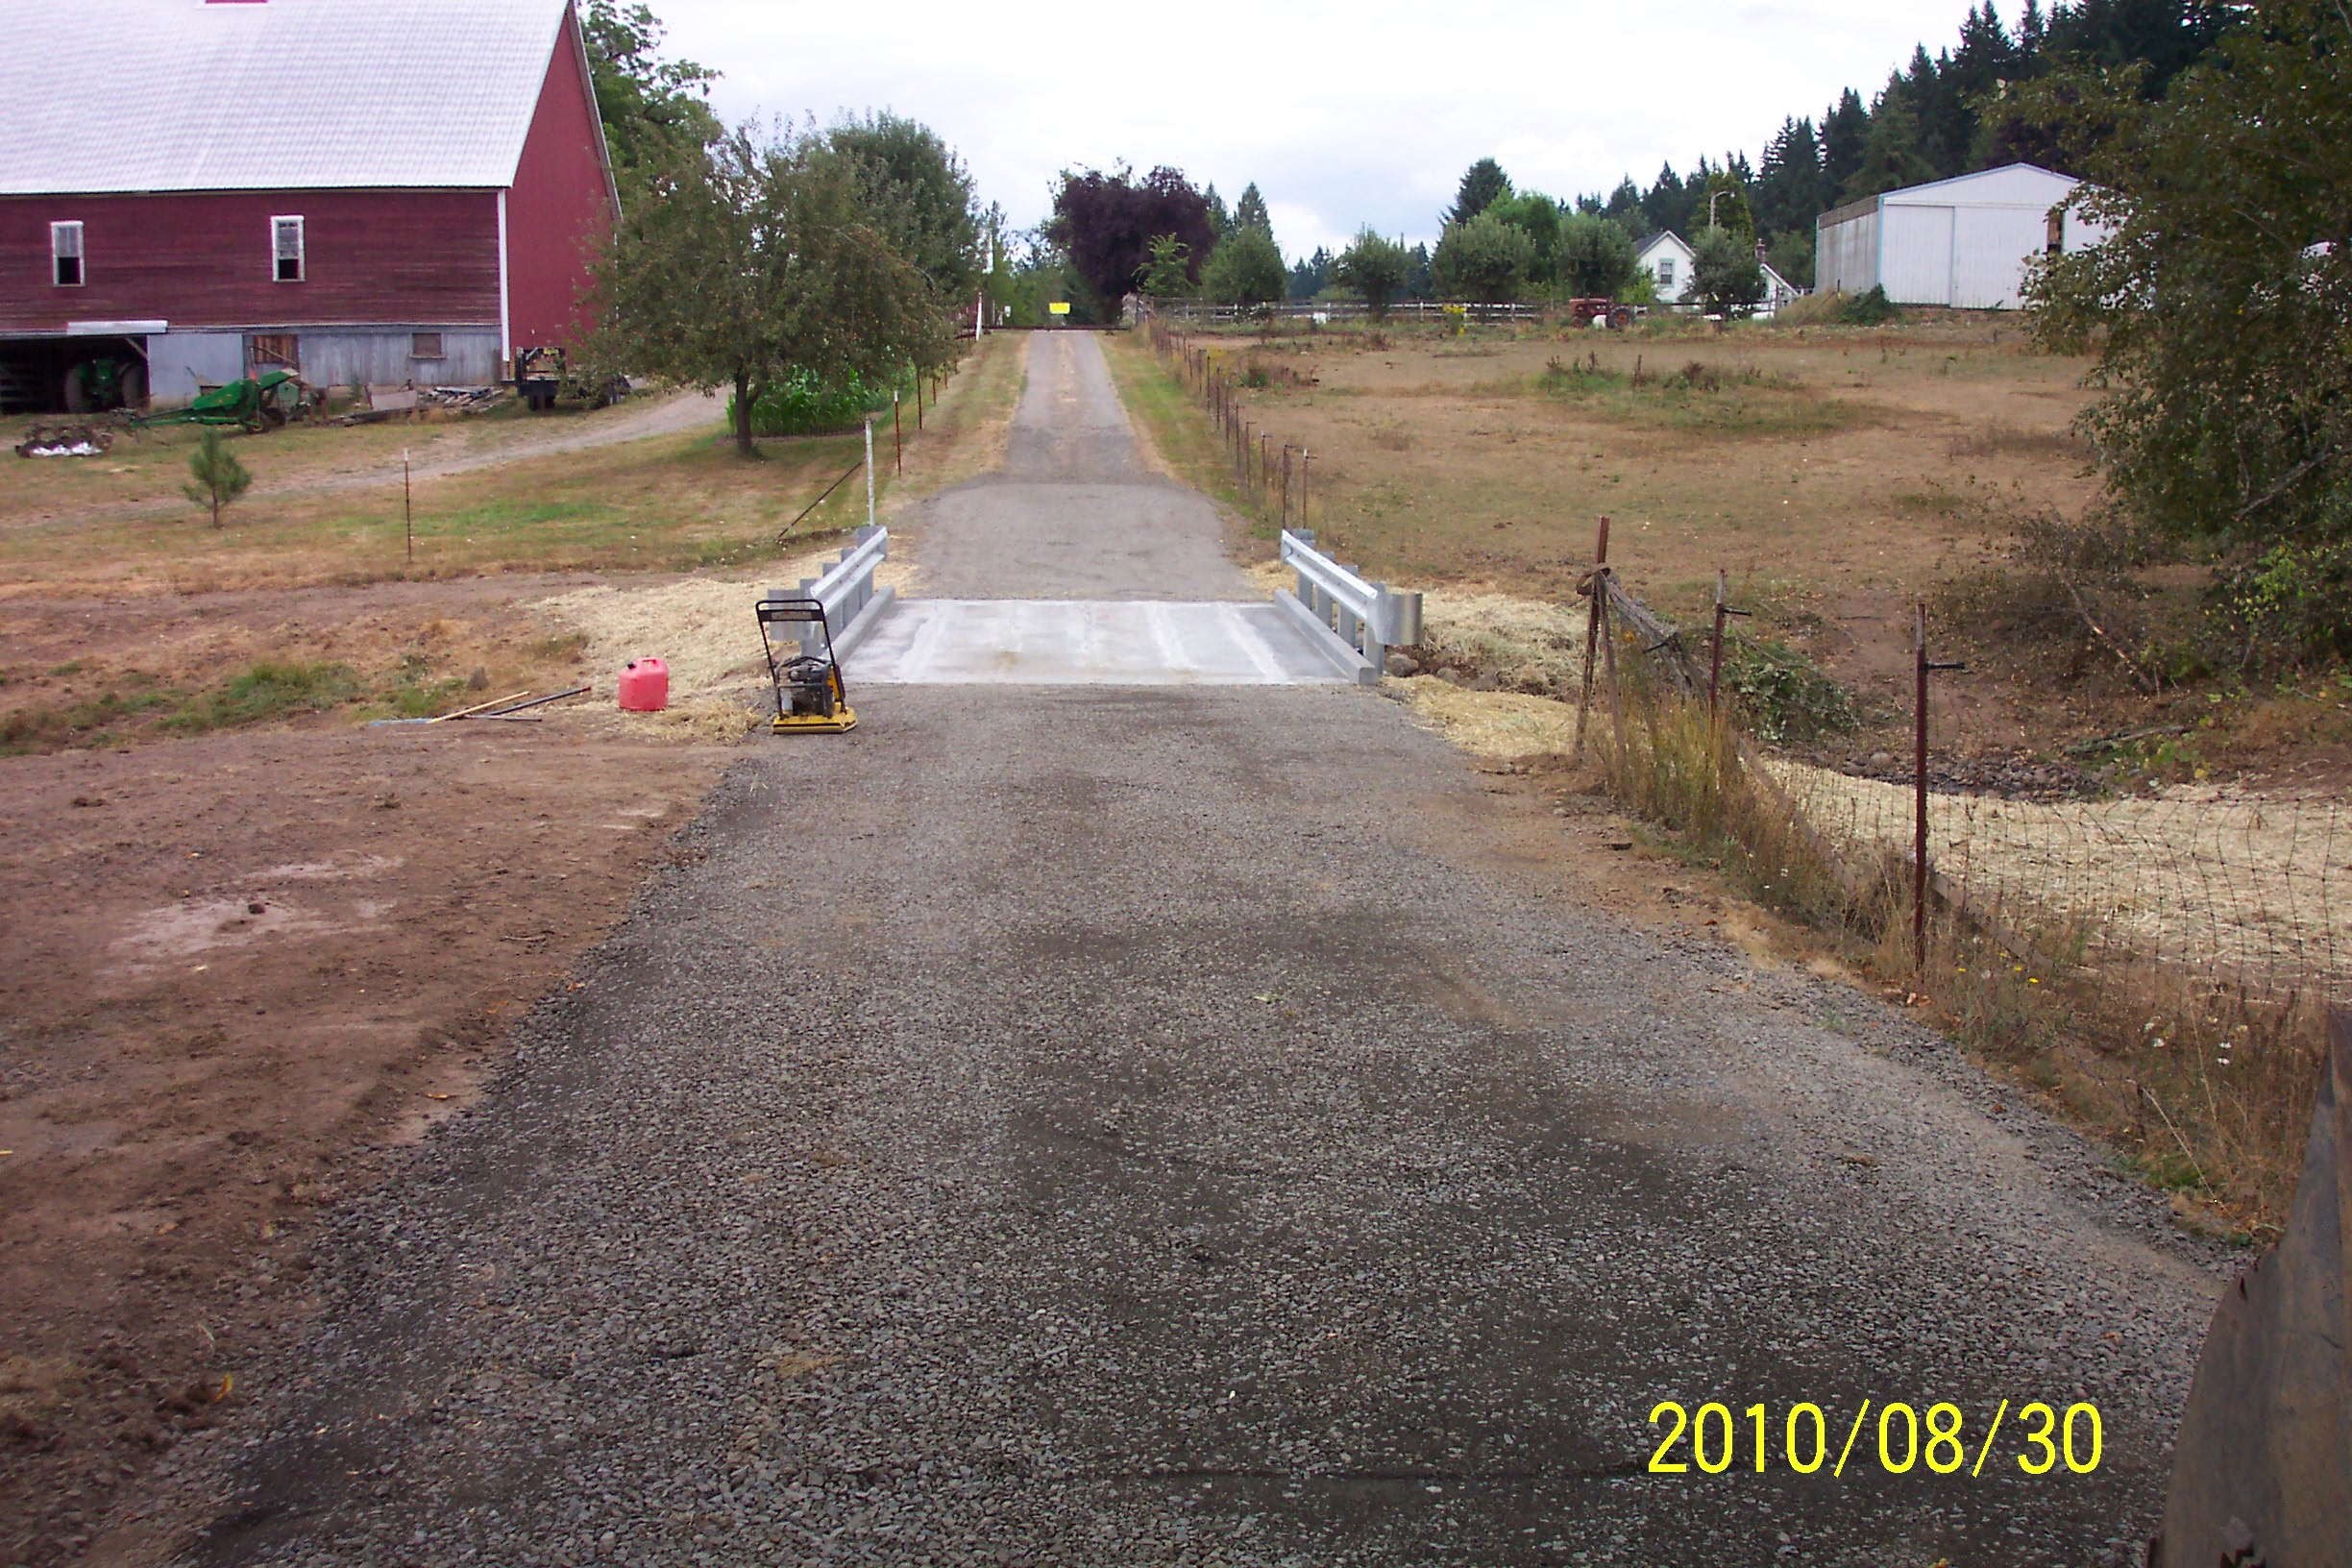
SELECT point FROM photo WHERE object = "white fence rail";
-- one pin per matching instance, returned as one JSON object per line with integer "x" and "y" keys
{"x": 1353, "y": 620}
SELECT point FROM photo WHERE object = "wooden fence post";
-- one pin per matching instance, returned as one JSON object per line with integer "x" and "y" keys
{"x": 1596, "y": 611}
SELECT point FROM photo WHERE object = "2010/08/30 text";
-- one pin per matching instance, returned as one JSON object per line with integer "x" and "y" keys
{"x": 2043, "y": 1441}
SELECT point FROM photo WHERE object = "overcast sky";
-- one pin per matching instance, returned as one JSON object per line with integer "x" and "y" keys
{"x": 1344, "y": 115}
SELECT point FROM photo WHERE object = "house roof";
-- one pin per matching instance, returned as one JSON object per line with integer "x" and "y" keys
{"x": 175, "y": 95}
{"x": 1657, "y": 241}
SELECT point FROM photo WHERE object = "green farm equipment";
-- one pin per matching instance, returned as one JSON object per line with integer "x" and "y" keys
{"x": 257, "y": 404}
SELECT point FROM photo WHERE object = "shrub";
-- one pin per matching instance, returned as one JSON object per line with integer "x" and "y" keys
{"x": 804, "y": 406}
{"x": 1871, "y": 310}
{"x": 1783, "y": 694}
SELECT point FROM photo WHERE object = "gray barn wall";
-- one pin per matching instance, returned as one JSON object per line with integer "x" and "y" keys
{"x": 337, "y": 356}
{"x": 1846, "y": 251}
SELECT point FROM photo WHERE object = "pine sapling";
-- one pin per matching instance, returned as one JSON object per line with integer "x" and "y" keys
{"x": 220, "y": 479}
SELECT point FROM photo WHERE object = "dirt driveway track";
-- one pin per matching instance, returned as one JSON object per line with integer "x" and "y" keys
{"x": 1105, "y": 1126}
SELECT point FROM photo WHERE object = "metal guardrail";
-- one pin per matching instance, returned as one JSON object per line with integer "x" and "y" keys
{"x": 1353, "y": 620}
{"x": 853, "y": 606}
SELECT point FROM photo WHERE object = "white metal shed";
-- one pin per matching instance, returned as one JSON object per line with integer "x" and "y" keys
{"x": 1960, "y": 242}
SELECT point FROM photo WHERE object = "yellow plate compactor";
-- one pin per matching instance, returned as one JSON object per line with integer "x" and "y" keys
{"x": 809, "y": 694}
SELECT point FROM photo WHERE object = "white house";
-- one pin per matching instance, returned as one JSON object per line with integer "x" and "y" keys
{"x": 1961, "y": 242}
{"x": 1668, "y": 261}
{"x": 1667, "y": 258}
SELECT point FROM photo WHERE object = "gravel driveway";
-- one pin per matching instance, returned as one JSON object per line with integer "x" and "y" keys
{"x": 1111, "y": 1125}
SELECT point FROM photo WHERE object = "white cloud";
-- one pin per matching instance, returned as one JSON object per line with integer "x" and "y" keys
{"x": 1343, "y": 114}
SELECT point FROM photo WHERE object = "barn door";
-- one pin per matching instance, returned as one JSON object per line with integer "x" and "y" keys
{"x": 272, "y": 351}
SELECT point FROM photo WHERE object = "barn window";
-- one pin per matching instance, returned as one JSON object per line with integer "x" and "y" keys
{"x": 424, "y": 345}
{"x": 1666, "y": 272}
{"x": 66, "y": 254}
{"x": 286, "y": 249}
{"x": 2053, "y": 238}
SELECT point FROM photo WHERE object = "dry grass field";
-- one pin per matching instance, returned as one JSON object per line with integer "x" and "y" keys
{"x": 1834, "y": 473}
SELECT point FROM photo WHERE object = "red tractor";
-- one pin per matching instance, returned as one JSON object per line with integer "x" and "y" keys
{"x": 1586, "y": 311}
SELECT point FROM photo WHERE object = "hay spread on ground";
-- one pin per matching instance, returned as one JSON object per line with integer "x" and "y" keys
{"x": 701, "y": 627}
{"x": 1504, "y": 724}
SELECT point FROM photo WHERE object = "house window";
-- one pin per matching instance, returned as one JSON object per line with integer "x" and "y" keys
{"x": 424, "y": 345}
{"x": 2055, "y": 236}
{"x": 66, "y": 254}
{"x": 286, "y": 249}
{"x": 274, "y": 351}
{"x": 1665, "y": 271}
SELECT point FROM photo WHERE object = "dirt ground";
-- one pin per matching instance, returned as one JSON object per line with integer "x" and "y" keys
{"x": 247, "y": 941}
{"x": 234, "y": 968}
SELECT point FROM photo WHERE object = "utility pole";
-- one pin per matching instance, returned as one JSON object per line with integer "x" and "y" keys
{"x": 869, "y": 471}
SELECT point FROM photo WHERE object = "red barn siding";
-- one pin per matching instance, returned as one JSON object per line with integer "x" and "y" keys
{"x": 203, "y": 260}
{"x": 560, "y": 208}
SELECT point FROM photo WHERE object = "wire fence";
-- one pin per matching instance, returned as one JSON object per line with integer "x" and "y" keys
{"x": 2203, "y": 889}
{"x": 2209, "y": 886}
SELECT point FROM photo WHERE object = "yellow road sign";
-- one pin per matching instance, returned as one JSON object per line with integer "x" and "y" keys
{"x": 1060, "y": 307}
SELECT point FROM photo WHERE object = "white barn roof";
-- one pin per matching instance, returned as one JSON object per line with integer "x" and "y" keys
{"x": 174, "y": 95}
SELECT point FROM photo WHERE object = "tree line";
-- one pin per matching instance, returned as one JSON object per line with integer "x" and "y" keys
{"x": 763, "y": 260}
{"x": 1965, "y": 108}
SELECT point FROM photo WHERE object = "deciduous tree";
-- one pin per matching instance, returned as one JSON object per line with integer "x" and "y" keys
{"x": 755, "y": 260}
{"x": 1374, "y": 267}
{"x": 1596, "y": 256}
{"x": 1484, "y": 259}
{"x": 652, "y": 107}
{"x": 1105, "y": 224}
{"x": 2221, "y": 305}
{"x": 1246, "y": 270}
{"x": 920, "y": 192}
{"x": 1724, "y": 277}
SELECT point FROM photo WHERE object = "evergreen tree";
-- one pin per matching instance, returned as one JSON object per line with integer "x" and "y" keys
{"x": 1788, "y": 193}
{"x": 1665, "y": 203}
{"x": 1220, "y": 220}
{"x": 1891, "y": 156}
{"x": 1250, "y": 212}
{"x": 1420, "y": 277}
{"x": 1623, "y": 208}
{"x": 1483, "y": 184}
{"x": 1167, "y": 274}
{"x": 1844, "y": 131}
{"x": 220, "y": 479}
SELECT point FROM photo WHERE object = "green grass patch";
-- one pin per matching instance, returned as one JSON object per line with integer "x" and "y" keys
{"x": 268, "y": 690}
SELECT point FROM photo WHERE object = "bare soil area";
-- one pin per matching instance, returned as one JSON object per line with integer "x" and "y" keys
{"x": 233, "y": 968}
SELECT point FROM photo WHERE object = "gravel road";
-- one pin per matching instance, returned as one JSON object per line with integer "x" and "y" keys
{"x": 1112, "y": 1125}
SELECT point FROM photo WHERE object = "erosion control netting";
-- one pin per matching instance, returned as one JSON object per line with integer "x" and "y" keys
{"x": 2205, "y": 882}
{"x": 2213, "y": 886}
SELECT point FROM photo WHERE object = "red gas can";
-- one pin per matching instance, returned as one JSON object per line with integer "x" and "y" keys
{"x": 645, "y": 686}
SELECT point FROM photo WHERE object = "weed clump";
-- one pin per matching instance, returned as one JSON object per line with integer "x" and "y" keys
{"x": 268, "y": 690}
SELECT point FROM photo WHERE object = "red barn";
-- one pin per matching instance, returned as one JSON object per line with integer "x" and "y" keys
{"x": 366, "y": 191}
